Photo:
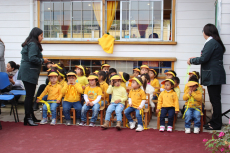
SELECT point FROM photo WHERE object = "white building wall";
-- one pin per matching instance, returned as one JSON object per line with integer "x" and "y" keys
{"x": 191, "y": 16}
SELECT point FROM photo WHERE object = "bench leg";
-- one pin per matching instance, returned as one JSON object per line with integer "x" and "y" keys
{"x": 74, "y": 117}
{"x": 174, "y": 121}
{"x": 158, "y": 122}
{"x": 146, "y": 120}
{"x": 61, "y": 119}
{"x": 87, "y": 118}
{"x": 101, "y": 116}
{"x": 201, "y": 123}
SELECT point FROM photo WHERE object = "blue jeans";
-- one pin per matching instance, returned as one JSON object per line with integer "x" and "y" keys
{"x": 154, "y": 97}
{"x": 102, "y": 103}
{"x": 138, "y": 115}
{"x": 118, "y": 108}
{"x": 53, "y": 108}
{"x": 190, "y": 114}
{"x": 45, "y": 98}
{"x": 67, "y": 106}
{"x": 171, "y": 113}
{"x": 95, "y": 109}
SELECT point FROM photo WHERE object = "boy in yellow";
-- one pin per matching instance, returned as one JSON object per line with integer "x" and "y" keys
{"x": 125, "y": 78}
{"x": 167, "y": 104}
{"x": 53, "y": 89}
{"x": 92, "y": 96}
{"x": 119, "y": 96}
{"x": 154, "y": 82}
{"x": 105, "y": 68}
{"x": 144, "y": 69}
{"x": 72, "y": 95}
{"x": 137, "y": 100}
{"x": 193, "y": 106}
{"x": 104, "y": 86}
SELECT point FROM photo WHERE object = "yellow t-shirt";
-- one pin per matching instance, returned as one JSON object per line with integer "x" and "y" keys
{"x": 155, "y": 83}
{"x": 72, "y": 93}
{"x": 63, "y": 83}
{"x": 54, "y": 92}
{"x": 82, "y": 80}
{"x": 123, "y": 85}
{"x": 93, "y": 93}
{"x": 197, "y": 96}
{"x": 168, "y": 99}
{"x": 137, "y": 96}
{"x": 104, "y": 86}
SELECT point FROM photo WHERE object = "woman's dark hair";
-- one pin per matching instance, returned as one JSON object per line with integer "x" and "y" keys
{"x": 13, "y": 65}
{"x": 176, "y": 79}
{"x": 173, "y": 72}
{"x": 211, "y": 30}
{"x": 33, "y": 37}
{"x": 126, "y": 76}
{"x": 193, "y": 78}
{"x": 139, "y": 78}
{"x": 147, "y": 77}
{"x": 103, "y": 74}
{"x": 97, "y": 82}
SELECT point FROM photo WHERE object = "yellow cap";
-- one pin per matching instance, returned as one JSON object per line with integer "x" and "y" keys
{"x": 96, "y": 72}
{"x": 121, "y": 74}
{"x": 92, "y": 77}
{"x": 55, "y": 65}
{"x": 53, "y": 74}
{"x": 153, "y": 71}
{"x": 115, "y": 77}
{"x": 105, "y": 65}
{"x": 137, "y": 81}
{"x": 136, "y": 69}
{"x": 144, "y": 66}
{"x": 71, "y": 73}
{"x": 191, "y": 83}
{"x": 170, "y": 73}
{"x": 81, "y": 67}
{"x": 193, "y": 73}
{"x": 163, "y": 82}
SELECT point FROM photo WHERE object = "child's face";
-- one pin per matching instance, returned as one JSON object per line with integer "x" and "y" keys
{"x": 78, "y": 71}
{"x": 151, "y": 74}
{"x": 169, "y": 76}
{"x": 117, "y": 82}
{"x": 168, "y": 85}
{"x": 144, "y": 70}
{"x": 105, "y": 68}
{"x": 193, "y": 88}
{"x": 53, "y": 79}
{"x": 135, "y": 73}
{"x": 71, "y": 79}
{"x": 100, "y": 78}
{"x": 176, "y": 84}
{"x": 59, "y": 78}
{"x": 135, "y": 85}
{"x": 92, "y": 82}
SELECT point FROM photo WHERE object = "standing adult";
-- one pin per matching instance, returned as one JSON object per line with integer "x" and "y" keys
{"x": 212, "y": 72}
{"x": 2, "y": 59}
{"x": 29, "y": 70}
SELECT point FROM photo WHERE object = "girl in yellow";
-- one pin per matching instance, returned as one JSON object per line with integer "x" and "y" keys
{"x": 197, "y": 75}
{"x": 154, "y": 82}
{"x": 72, "y": 95}
{"x": 137, "y": 100}
{"x": 105, "y": 67}
{"x": 53, "y": 89}
{"x": 104, "y": 86}
{"x": 92, "y": 96}
{"x": 144, "y": 69}
{"x": 167, "y": 104}
{"x": 193, "y": 105}
{"x": 125, "y": 78}
{"x": 169, "y": 75}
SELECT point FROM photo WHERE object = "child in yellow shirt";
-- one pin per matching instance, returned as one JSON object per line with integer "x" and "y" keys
{"x": 119, "y": 96}
{"x": 193, "y": 105}
{"x": 105, "y": 68}
{"x": 167, "y": 104}
{"x": 154, "y": 82}
{"x": 92, "y": 96}
{"x": 62, "y": 78}
{"x": 144, "y": 69}
{"x": 137, "y": 100}
{"x": 72, "y": 96}
{"x": 136, "y": 73}
{"x": 53, "y": 89}
{"x": 104, "y": 86}
{"x": 125, "y": 78}
{"x": 169, "y": 75}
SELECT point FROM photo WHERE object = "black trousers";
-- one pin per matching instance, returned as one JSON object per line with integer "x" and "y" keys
{"x": 30, "y": 90}
{"x": 214, "y": 92}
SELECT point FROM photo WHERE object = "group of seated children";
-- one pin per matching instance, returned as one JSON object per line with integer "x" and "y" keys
{"x": 84, "y": 91}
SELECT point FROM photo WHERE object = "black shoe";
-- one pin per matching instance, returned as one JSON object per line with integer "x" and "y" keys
{"x": 34, "y": 118}
{"x": 29, "y": 121}
{"x": 212, "y": 128}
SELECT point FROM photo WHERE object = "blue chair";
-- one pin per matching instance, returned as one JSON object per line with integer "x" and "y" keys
{"x": 8, "y": 96}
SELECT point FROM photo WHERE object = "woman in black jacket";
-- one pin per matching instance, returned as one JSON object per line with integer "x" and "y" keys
{"x": 212, "y": 72}
{"x": 29, "y": 70}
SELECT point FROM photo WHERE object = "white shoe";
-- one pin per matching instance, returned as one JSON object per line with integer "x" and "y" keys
{"x": 196, "y": 130}
{"x": 187, "y": 130}
{"x": 169, "y": 129}
{"x": 139, "y": 128}
{"x": 132, "y": 125}
{"x": 78, "y": 122}
{"x": 162, "y": 128}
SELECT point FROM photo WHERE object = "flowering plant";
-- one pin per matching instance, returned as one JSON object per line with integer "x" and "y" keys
{"x": 220, "y": 141}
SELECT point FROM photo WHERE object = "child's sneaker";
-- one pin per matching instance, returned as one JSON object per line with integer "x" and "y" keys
{"x": 196, "y": 130}
{"x": 162, "y": 128}
{"x": 68, "y": 122}
{"x": 139, "y": 128}
{"x": 43, "y": 121}
{"x": 132, "y": 125}
{"x": 187, "y": 130}
{"x": 82, "y": 124}
{"x": 92, "y": 124}
{"x": 53, "y": 122}
{"x": 78, "y": 121}
{"x": 169, "y": 129}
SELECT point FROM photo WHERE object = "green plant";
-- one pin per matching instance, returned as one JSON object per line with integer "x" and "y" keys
{"x": 220, "y": 141}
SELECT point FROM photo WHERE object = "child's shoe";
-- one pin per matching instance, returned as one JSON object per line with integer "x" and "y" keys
{"x": 139, "y": 128}
{"x": 105, "y": 125}
{"x": 187, "y": 130}
{"x": 78, "y": 121}
{"x": 132, "y": 125}
{"x": 162, "y": 128}
{"x": 68, "y": 122}
{"x": 118, "y": 126}
{"x": 169, "y": 129}
{"x": 53, "y": 122}
{"x": 92, "y": 124}
{"x": 196, "y": 130}
{"x": 43, "y": 121}
{"x": 82, "y": 123}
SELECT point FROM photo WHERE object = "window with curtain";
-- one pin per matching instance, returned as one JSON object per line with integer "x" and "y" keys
{"x": 71, "y": 20}
{"x": 139, "y": 20}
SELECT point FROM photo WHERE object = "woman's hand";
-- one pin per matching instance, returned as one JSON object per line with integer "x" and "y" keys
{"x": 188, "y": 61}
{"x": 46, "y": 60}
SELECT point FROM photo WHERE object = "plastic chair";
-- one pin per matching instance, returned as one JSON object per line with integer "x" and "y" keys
{"x": 17, "y": 93}
{"x": 5, "y": 82}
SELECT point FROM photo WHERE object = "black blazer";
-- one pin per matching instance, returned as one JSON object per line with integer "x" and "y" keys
{"x": 211, "y": 60}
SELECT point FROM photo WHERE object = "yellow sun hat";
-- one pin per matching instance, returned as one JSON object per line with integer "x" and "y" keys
{"x": 145, "y": 66}
{"x": 135, "y": 79}
{"x": 191, "y": 83}
{"x": 71, "y": 73}
{"x": 170, "y": 73}
{"x": 91, "y": 77}
{"x": 96, "y": 72}
{"x": 163, "y": 82}
{"x": 81, "y": 67}
{"x": 154, "y": 71}
{"x": 136, "y": 69}
{"x": 193, "y": 73}
{"x": 105, "y": 65}
{"x": 53, "y": 74}
{"x": 55, "y": 65}
{"x": 115, "y": 77}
